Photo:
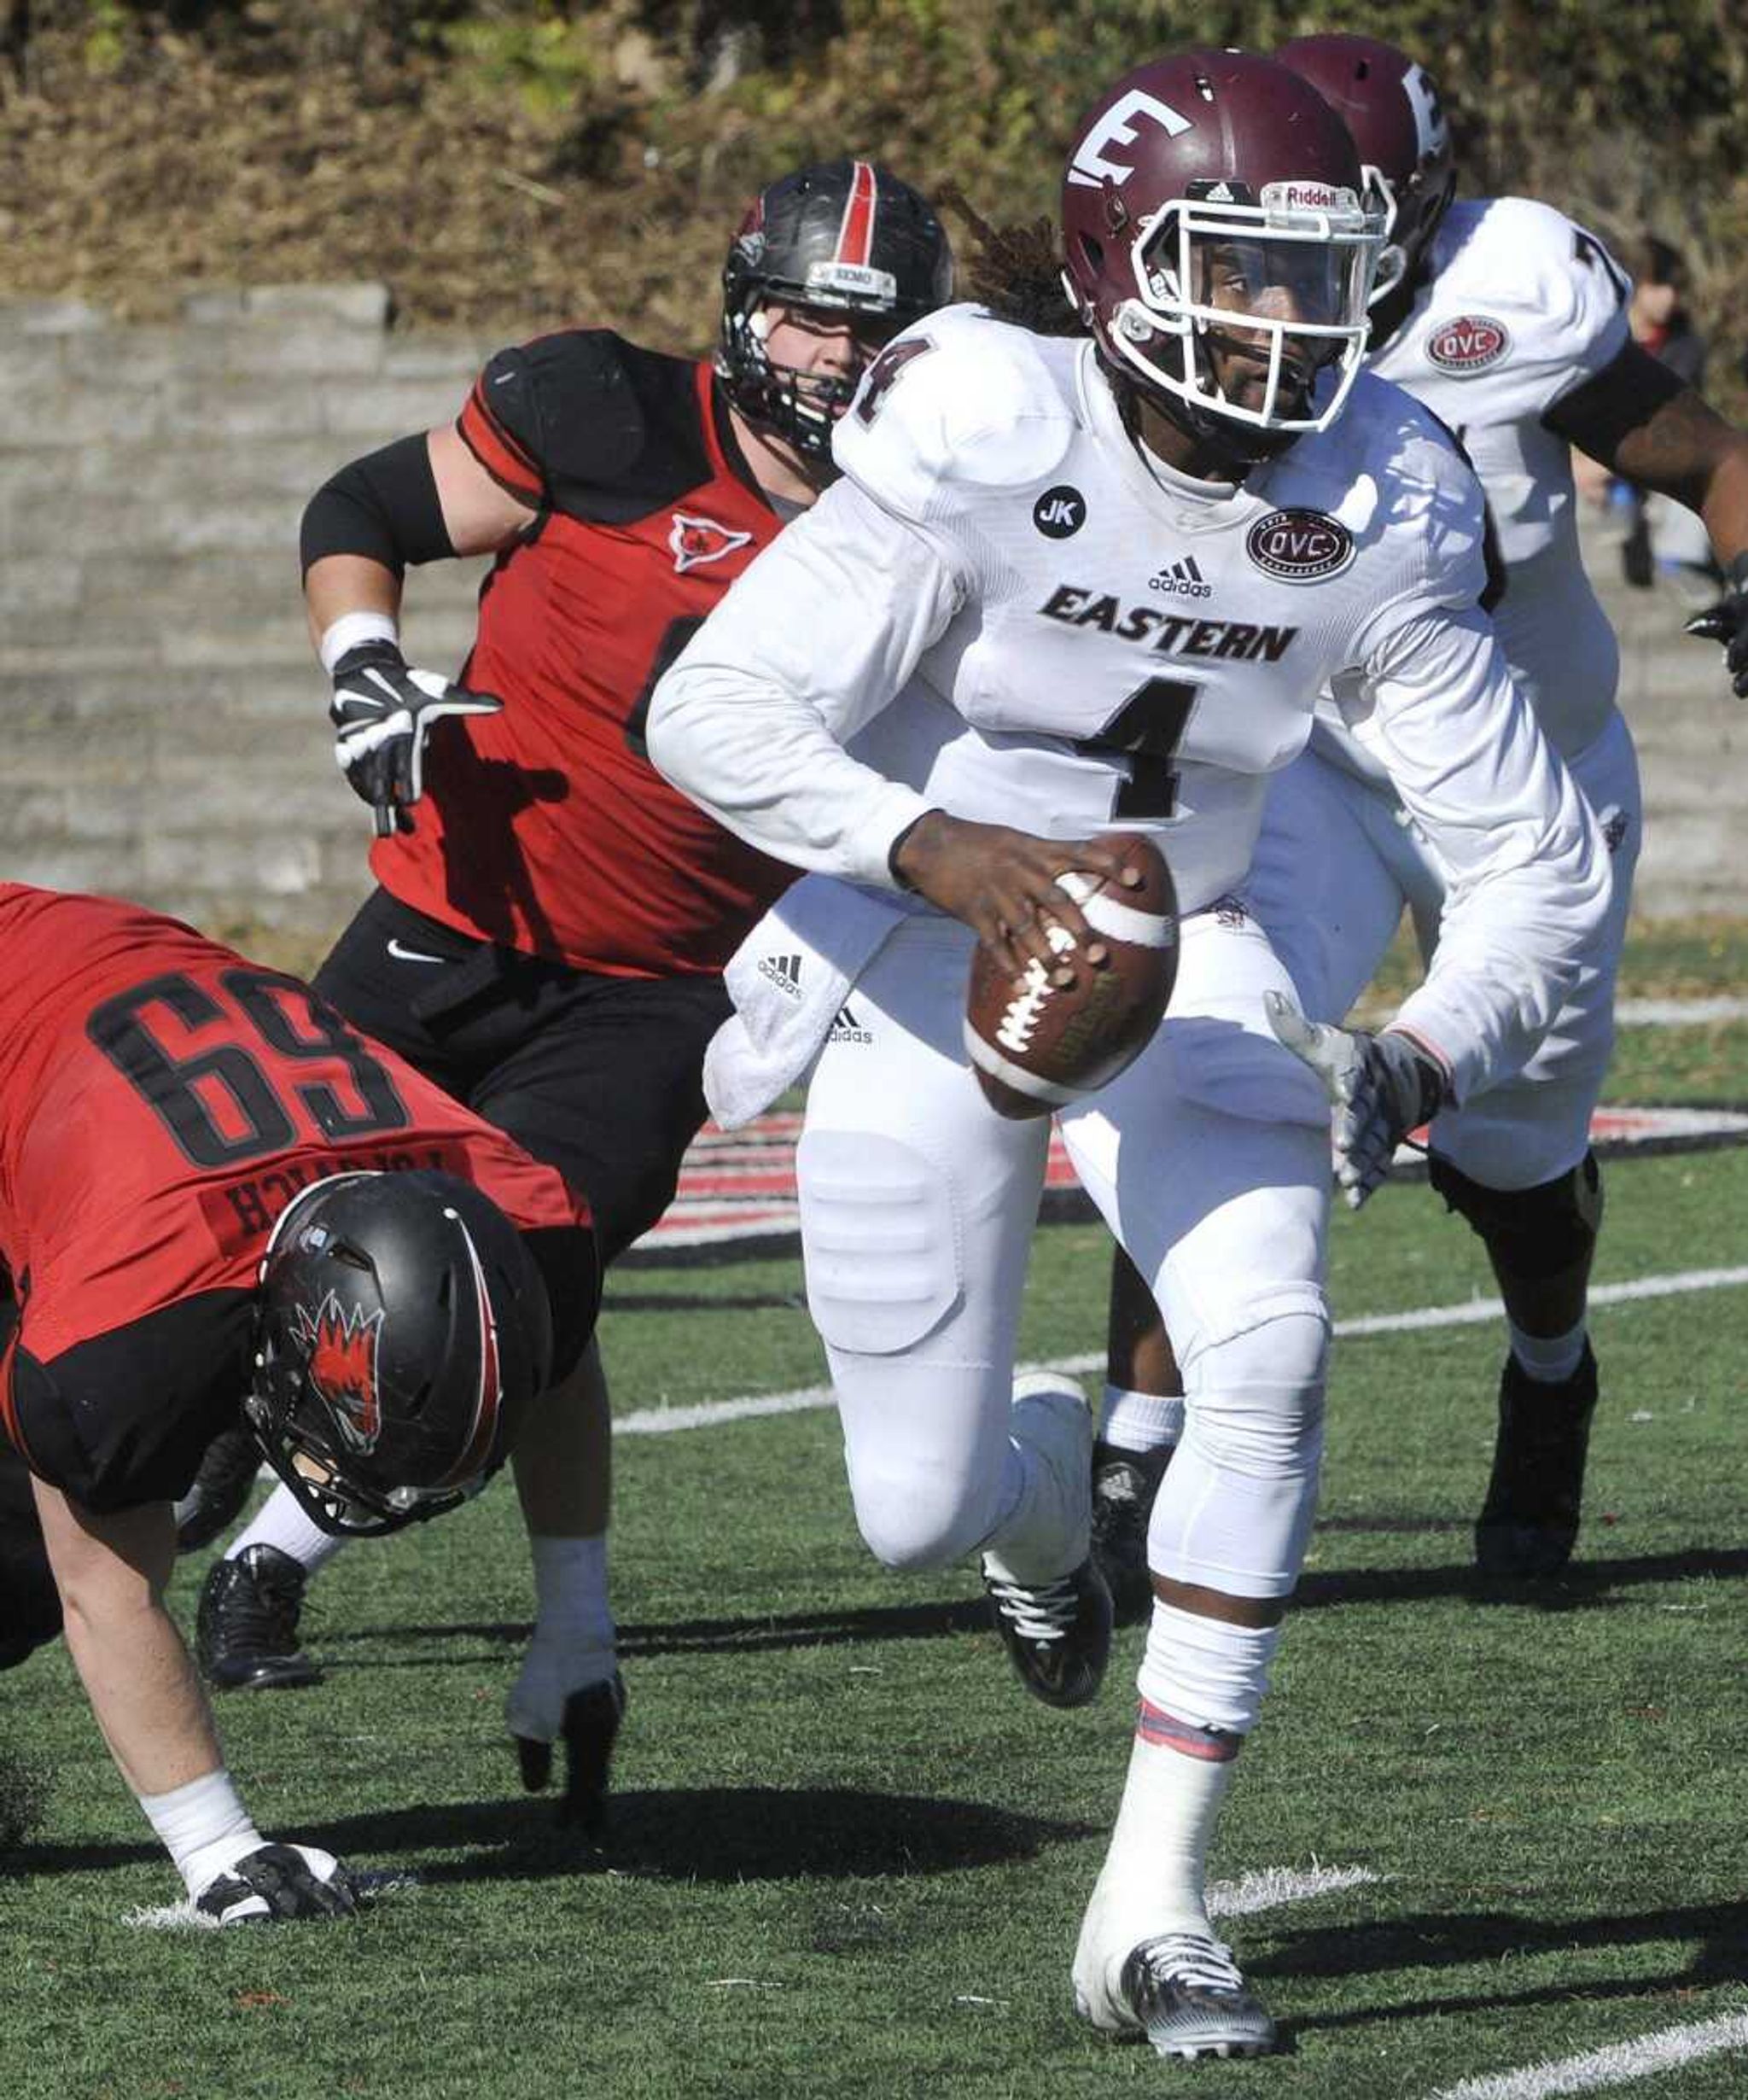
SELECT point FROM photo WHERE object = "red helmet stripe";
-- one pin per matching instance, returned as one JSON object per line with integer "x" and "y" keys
{"x": 855, "y": 236}
{"x": 489, "y": 1397}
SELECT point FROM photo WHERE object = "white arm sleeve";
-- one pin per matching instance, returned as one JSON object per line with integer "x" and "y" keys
{"x": 811, "y": 642}
{"x": 1526, "y": 868}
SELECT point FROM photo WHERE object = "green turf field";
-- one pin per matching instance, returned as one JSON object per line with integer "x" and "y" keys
{"x": 850, "y": 1856}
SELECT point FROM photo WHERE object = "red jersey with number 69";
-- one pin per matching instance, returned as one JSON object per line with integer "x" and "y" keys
{"x": 161, "y": 1099}
{"x": 544, "y": 827}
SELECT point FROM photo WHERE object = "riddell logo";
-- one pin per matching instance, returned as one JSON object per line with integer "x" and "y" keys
{"x": 1470, "y": 343}
{"x": 1299, "y": 546}
{"x": 784, "y": 971}
{"x": 1181, "y": 580}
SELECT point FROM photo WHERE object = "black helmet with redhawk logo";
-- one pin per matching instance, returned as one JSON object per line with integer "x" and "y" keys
{"x": 1216, "y": 244}
{"x": 402, "y": 1330}
{"x": 847, "y": 239}
{"x": 1389, "y": 104}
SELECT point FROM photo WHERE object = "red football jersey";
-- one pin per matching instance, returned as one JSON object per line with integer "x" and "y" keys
{"x": 544, "y": 827}
{"x": 161, "y": 1099}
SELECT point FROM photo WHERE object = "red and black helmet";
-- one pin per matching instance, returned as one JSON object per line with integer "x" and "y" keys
{"x": 402, "y": 1332}
{"x": 1221, "y": 167}
{"x": 844, "y": 237}
{"x": 1391, "y": 107}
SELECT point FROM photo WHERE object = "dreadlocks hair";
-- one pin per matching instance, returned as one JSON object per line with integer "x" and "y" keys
{"x": 1014, "y": 270}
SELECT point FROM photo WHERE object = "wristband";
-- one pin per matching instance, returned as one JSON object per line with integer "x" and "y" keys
{"x": 351, "y": 631}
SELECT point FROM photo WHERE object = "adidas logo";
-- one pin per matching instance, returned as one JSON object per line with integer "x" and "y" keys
{"x": 784, "y": 971}
{"x": 1181, "y": 580}
{"x": 846, "y": 1027}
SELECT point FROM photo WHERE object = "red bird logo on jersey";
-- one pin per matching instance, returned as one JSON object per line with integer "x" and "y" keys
{"x": 342, "y": 1346}
{"x": 696, "y": 541}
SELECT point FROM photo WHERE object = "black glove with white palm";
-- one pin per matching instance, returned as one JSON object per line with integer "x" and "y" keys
{"x": 1382, "y": 1086}
{"x": 382, "y": 711}
{"x": 1727, "y": 621}
{"x": 277, "y": 1881}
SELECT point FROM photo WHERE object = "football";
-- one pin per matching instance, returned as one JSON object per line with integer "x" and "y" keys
{"x": 1036, "y": 1045}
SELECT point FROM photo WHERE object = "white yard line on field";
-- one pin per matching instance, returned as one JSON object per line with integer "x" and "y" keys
{"x": 706, "y": 1413}
{"x": 1678, "y": 1013}
{"x": 1269, "y": 1887}
{"x": 1618, "y": 2065}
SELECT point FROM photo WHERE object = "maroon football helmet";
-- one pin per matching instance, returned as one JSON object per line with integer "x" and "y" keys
{"x": 1213, "y": 198}
{"x": 1392, "y": 108}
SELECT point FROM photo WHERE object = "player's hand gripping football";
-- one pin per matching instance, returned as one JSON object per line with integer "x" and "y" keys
{"x": 382, "y": 711}
{"x": 1382, "y": 1086}
{"x": 1727, "y": 621}
{"x": 277, "y": 1881}
{"x": 1002, "y": 884}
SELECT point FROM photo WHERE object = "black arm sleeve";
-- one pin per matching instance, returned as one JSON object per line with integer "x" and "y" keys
{"x": 384, "y": 506}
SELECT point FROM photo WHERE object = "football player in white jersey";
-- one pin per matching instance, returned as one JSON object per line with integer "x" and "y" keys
{"x": 1509, "y": 323}
{"x": 1067, "y": 581}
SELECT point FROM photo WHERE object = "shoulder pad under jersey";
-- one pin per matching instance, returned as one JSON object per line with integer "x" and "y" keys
{"x": 584, "y": 411}
{"x": 958, "y": 403}
{"x": 1393, "y": 474}
{"x": 1523, "y": 299}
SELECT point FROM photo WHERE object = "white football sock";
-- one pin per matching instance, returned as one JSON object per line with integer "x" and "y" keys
{"x": 1154, "y": 1879}
{"x": 203, "y": 1826}
{"x": 280, "y": 1521}
{"x": 1140, "y": 1421}
{"x": 1548, "y": 1359}
{"x": 1046, "y": 1530}
{"x": 1208, "y": 1674}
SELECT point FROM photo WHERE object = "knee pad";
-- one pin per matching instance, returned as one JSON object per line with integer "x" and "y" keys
{"x": 1532, "y": 1232}
{"x": 1234, "y": 1510}
{"x": 877, "y": 1232}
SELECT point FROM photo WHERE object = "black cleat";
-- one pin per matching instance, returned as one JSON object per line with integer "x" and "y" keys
{"x": 1530, "y": 1520}
{"x": 1124, "y": 1484}
{"x": 245, "y": 1629}
{"x": 1057, "y": 1634}
{"x": 1188, "y": 1999}
{"x": 589, "y": 1730}
{"x": 220, "y": 1489}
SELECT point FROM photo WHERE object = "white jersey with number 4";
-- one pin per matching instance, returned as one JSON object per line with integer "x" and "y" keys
{"x": 1005, "y": 611}
{"x": 1520, "y": 307}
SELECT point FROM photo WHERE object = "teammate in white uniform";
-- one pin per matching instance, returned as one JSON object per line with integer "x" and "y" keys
{"x": 1067, "y": 582}
{"x": 1509, "y": 321}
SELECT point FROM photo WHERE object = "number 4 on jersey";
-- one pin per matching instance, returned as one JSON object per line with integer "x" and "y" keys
{"x": 1146, "y": 730}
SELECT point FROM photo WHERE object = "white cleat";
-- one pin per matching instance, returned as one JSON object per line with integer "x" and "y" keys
{"x": 1183, "y": 1992}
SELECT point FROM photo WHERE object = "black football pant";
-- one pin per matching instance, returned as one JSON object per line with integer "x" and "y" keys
{"x": 598, "y": 1075}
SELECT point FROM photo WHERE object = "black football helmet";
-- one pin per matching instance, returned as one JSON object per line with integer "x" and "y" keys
{"x": 845, "y": 238}
{"x": 402, "y": 1332}
{"x": 1214, "y": 197}
{"x": 1391, "y": 107}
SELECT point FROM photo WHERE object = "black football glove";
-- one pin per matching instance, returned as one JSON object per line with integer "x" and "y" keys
{"x": 220, "y": 1488}
{"x": 279, "y": 1882}
{"x": 588, "y": 1725}
{"x": 1728, "y": 622}
{"x": 1383, "y": 1087}
{"x": 382, "y": 712}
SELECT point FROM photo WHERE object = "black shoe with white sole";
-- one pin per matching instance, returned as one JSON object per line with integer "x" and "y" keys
{"x": 245, "y": 1628}
{"x": 1057, "y": 1634}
